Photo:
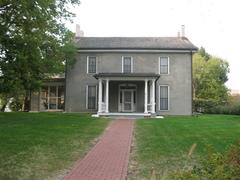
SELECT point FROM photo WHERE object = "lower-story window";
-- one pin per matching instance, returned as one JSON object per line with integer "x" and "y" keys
{"x": 91, "y": 97}
{"x": 52, "y": 97}
{"x": 164, "y": 97}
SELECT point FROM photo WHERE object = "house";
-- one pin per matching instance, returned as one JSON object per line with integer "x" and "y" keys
{"x": 124, "y": 75}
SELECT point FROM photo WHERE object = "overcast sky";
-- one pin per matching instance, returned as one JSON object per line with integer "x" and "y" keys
{"x": 213, "y": 24}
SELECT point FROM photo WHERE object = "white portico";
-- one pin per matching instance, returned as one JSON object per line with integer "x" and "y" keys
{"x": 130, "y": 94}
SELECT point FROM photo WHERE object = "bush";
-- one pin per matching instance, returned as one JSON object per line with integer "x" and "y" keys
{"x": 16, "y": 104}
{"x": 214, "y": 166}
{"x": 226, "y": 109}
{"x": 214, "y": 107}
{"x": 203, "y": 105}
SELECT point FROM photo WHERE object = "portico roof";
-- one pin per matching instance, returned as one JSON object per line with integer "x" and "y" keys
{"x": 119, "y": 75}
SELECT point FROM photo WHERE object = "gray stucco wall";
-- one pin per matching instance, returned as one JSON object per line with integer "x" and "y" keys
{"x": 179, "y": 80}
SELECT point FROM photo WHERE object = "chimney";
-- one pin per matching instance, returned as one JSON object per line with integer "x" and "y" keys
{"x": 178, "y": 34}
{"x": 183, "y": 31}
{"x": 79, "y": 32}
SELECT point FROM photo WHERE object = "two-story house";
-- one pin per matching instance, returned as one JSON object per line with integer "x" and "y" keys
{"x": 124, "y": 75}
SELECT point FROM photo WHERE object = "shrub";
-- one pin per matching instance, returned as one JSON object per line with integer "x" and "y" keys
{"x": 214, "y": 107}
{"x": 226, "y": 109}
{"x": 203, "y": 105}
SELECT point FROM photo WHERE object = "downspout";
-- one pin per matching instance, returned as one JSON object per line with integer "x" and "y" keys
{"x": 156, "y": 93}
{"x": 65, "y": 86}
{"x": 191, "y": 84}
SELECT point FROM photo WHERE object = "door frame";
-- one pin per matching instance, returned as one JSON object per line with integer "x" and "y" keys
{"x": 124, "y": 102}
{"x": 132, "y": 88}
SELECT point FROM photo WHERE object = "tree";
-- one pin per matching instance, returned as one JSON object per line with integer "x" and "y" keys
{"x": 34, "y": 42}
{"x": 209, "y": 77}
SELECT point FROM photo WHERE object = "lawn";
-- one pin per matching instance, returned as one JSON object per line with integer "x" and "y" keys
{"x": 163, "y": 144}
{"x": 44, "y": 145}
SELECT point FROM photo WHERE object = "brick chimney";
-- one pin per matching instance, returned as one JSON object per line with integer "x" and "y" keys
{"x": 79, "y": 32}
{"x": 183, "y": 31}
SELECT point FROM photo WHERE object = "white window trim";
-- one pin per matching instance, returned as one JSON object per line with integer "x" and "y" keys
{"x": 159, "y": 65}
{"x": 87, "y": 97}
{"x": 96, "y": 64}
{"x": 131, "y": 63}
{"x": 168, "y": 97}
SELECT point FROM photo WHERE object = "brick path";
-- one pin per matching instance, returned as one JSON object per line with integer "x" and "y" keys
{"x": 108, "y": 159}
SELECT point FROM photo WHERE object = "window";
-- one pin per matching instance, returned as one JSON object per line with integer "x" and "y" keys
{"x": 164, "y": 97}
{"x": 164, "y": 65}
{"x": 91, "y": 97}
{"x": 127, "y": 64}
{"x": 91, "y": 64}
{"x": 52, "y": 97}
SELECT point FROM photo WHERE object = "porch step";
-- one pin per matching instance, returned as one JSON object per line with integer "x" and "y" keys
{"x": 124, "y": 115}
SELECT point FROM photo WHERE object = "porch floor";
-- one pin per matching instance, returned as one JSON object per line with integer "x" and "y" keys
{"x": 123, "y": 114}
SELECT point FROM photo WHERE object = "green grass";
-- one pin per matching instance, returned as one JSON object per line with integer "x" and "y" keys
{"x": 43, "y": 145}
{"x": 163, "y": 144}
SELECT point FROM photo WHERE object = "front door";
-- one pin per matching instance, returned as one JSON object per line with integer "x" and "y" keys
{"x": 127, "y": 96}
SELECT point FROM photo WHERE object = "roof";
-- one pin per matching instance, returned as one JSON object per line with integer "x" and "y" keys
{"x": 126, "y": 75}
{"x": 161, "y": 43}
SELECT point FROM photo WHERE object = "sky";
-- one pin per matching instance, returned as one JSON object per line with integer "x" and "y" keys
{"x": 212, "y": 24}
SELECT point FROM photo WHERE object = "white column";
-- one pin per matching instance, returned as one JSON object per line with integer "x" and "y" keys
{"x": 107, "y": 96}
{"x": 150, "y": 91}
{"x": 100, "y": 95}
{"x": 153, "y": 96}
{"x": 146, "y": 96}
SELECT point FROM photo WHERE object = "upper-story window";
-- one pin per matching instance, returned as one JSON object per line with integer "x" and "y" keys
{"x": 91, "y": 64}
{"x": 164, "y": 65}
{"x": 127, "y": 64}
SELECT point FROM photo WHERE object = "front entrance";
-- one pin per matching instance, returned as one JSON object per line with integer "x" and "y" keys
{"x": 127, "y": 98}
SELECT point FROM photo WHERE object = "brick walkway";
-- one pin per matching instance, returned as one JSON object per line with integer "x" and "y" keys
{"x": 108, "y": 159}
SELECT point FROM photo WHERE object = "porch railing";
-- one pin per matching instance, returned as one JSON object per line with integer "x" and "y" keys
{"x": 103, "y": 107}
{"x": 149, "y": 107}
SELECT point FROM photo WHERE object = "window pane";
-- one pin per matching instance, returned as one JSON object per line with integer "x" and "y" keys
{"x": 127, "y": 65}
{"x": 164, "y": 61}
{"x": 91, "y": 64}
{"x": 44, "y": 92}
{"x": 164, "y": 98}
{"x": 120, "y": 96}
{"x": 60, "y": 100}
{"x": 44, "y": 102}
{"x": 61, "y": 91}
{"x": 164, "y": 65}
{"x": 61, "y": 103}
{"x": 164, "y": 69}
{"x": 53, "y": 91}
{"x": 134, "y": 97}
{"x": 44, "y": 97}
{"x": 52, "y": 103}
{"x": 91, "y": 97}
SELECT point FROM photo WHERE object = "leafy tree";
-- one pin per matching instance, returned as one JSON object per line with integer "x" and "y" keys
{"x": 209, "y": 77}
{"x": 34, "y": 43}
{"x": 204, "y": 54}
